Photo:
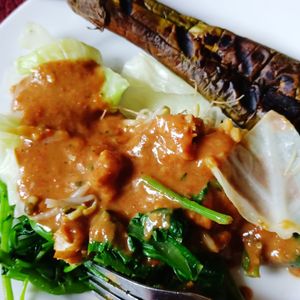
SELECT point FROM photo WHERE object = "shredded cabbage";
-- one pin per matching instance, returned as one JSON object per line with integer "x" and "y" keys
{"x": 153, "y": 86}
{"x": 262, "y": 176}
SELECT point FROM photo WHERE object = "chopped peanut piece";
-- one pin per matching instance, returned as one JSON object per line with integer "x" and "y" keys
{"x": 234, "y": 132}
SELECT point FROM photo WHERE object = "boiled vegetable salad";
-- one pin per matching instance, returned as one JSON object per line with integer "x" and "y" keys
{"x": 141, "y": 194}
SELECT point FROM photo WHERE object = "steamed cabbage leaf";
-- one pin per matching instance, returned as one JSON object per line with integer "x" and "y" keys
{"x": 262, "y": 176}
{"x": 34, "y": 36}
{"x": 67, "y": 49}
{"x": 153, "y": 86}
{"x": 58, "y": 50}
{"x": 114, "y": 86}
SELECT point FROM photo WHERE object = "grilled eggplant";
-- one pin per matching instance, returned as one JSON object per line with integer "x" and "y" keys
{"x": 241, "y": 76}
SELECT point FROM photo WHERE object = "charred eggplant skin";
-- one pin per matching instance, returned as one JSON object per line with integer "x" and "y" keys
{"x": 241, "y": 76}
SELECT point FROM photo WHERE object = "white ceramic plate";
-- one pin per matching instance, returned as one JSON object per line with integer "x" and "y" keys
{"x": 270, "y": 22}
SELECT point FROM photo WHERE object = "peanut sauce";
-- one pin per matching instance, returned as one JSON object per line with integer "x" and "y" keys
{"x": 73, "y": 148}
{"x": 61, "y": 95}
{"x": 69, "y": 139}
{"x": 264, "y": 246}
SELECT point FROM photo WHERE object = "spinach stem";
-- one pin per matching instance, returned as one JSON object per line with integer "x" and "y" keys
{"x": 6, "y": 216}
{"x": 8, "y": 292}
{"x": 187, "y": 203}
{"x": 22, "y": 297}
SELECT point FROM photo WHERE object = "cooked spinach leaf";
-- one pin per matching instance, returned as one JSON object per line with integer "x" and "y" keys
{"x": 201, "y": 195}
{"x": 106, "y": 255}
{"x": 165, "y": 245}
{"x": 31, "y": 257}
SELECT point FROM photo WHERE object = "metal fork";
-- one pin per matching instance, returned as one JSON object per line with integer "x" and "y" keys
{"x": 110, "y": 285}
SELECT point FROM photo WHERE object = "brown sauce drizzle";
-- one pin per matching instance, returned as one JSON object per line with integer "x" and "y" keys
{"x": 267, "y": 247}
{"x": 67, "y": 142}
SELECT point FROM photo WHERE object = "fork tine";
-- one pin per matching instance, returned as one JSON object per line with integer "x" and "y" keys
{"x": 110, "y": 287}
{"x": 100, "y": 291}
{"x": 132, "y": 289}
{"x": 124, "y": 283}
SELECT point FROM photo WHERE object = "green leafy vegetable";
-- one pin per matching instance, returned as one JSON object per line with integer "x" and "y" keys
{"x": 6, "y": 218}
{"x": 187, "y": 203}
{"x": 47, "y": 235}
{"x": 107, "y": 255}
{"x": 201, "y": 195}
{"x": 296, "y": 263}
{"x": 31, "y": 257}
{"x": 251, "y": 269}
{"x": 22, "y": 297}
{"x": 216, "y": 281}
{"x": 166, "y": 246}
